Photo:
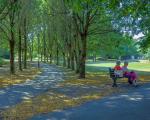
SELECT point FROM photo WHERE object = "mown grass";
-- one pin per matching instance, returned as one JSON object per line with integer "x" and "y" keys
{"x": 3, "y": 62}
{"x": 104, "y": 65}
{"x": 101, "y": 68}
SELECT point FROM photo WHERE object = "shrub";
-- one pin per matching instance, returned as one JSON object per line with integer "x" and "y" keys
{"x": 1, "y": 62}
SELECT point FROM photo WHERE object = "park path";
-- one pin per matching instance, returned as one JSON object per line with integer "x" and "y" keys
{"x": 48, "y": 79}
{"x": 133, "y": 105}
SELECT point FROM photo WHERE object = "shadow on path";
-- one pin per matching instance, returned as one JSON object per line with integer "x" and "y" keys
{"x": 133, "y": 105}
{"x": 12, "y": 95}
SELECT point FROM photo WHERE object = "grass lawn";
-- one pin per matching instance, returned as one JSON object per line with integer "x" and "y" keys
{"x": 103, "y": 66}
{"x": 97, "y": 74}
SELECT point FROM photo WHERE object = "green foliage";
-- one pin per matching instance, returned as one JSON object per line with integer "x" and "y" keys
{"x": 145, "y": 43}
{"x": 112, "y": 45}
{"x": 133, "y": 19}
{"x": 60, "y": 25}
{"x": 147, "y": 55}
{"x": 1, "y": 62}
{"x": 3, "y": 4}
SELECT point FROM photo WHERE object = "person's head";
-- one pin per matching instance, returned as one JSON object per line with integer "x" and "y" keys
{"x": 118, "y": 62}
{"x": 126, "y": 63}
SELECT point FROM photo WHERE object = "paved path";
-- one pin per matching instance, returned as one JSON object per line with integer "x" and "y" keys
{"x": 134, "y": 105}
{"x": 12, "y": 95}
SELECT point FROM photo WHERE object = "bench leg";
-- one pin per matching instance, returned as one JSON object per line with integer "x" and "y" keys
{"x": 114, "y": 82}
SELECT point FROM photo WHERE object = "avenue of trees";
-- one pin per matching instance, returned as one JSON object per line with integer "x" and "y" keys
{"x": 67, "y": 32}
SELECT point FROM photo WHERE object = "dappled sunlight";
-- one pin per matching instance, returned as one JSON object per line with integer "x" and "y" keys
{"x": 134, "y": 97}
{"x": 129, "y": 97}
{"x": 2, "y": 92}
{"x": 57, "y": 94}
{"x": 49, "y": 102}
{"x": 147, "y": 88}
{"x": 37, "y": 105}
{"x": 87, "y": 90}
{"x": 19, "y": 77}
{"x": 132, "y": 100}
{"x": 144, "y": 78}
{"x": 92, "y": 79}
{"x": 58, "y": 54}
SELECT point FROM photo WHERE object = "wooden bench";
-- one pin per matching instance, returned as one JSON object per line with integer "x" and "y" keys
{"x": 113, "y": 77}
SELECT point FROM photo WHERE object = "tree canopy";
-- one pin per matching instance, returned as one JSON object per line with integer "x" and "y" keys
{"x": 66, "y": 32}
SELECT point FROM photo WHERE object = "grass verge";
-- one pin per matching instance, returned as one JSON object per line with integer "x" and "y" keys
{"x": 20, "y": 77}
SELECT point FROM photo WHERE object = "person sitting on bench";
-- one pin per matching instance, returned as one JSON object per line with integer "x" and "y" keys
{"x": 118, "y": 70}
{"x": 132, "y": 76}
{"x": 126, "y": 72}
{"x": 115, "y": 73}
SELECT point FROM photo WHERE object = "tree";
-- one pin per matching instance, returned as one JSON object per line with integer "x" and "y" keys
{"x": 130, "y": 19}
{"x": 86, "y": 14}
{"x": 13, "y": 8}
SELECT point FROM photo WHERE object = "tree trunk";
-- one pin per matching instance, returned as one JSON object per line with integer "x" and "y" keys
{"x": 93, "y": 58}
{"x": 68, "y": 61}
{"x": 64, "y": 60}
{"x": 57, "y": 56}
{"x": 38, "y": 51}
{"x": 77, "y": 53}
{"x": 41, "y": 56}
{"x": 83, "y": 56}
{"x": 47, "y": 59}
{"x": 12, "y": 42}
{"x": 77, "y": 62}
{"x": 31, "y": 51}
{"x": 72, "y": 61}
{"x": 25, "y": 45}
{"x": 20, "y": 51}
{"x": 44, "y": 45}
{"x": 50, "y": 57}
{"x": 12, "y": 46}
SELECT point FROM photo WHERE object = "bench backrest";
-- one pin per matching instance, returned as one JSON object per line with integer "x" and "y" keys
{"x": 111, "y": 72}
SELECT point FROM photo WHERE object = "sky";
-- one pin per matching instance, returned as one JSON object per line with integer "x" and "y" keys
{"x": 138, "y": 36}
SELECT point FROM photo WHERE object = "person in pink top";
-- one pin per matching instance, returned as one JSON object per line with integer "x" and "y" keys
{"x": 132, "y": 76}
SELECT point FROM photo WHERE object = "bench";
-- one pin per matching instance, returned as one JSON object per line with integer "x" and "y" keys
{"x": 113, "y": 77}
